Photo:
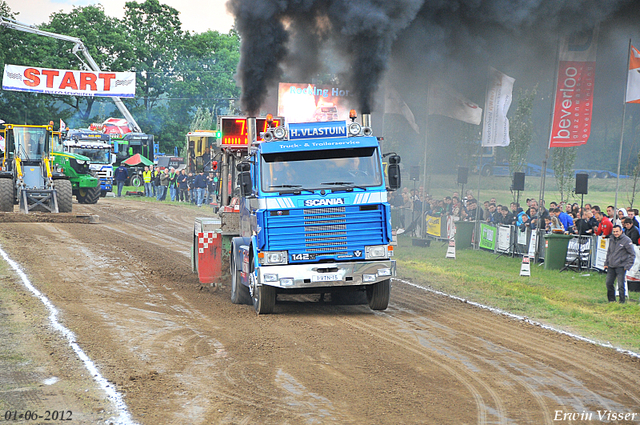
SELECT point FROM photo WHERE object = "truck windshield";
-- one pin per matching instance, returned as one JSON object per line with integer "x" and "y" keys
{"x": 30, "y": 142}
{"x": 331, "y": 169}
{"x": 97, "y": 156}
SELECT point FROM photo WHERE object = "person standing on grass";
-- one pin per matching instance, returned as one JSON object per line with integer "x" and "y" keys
{"x": 120, "y": 176}
{"x": 147, "y": 174}
{"x": 173, "y": 184}
{"x": 200, "y": 183}
{"x": 183, "y": 188}
{"x": 620, "y": 258}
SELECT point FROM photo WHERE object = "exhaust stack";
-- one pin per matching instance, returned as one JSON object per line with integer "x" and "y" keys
{"x": 251, "y": 130}
{"x": 366, "y": 120}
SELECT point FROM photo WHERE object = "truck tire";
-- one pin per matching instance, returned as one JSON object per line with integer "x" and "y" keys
{"x": 239, "y": 292}
{"x": 378, "y": 295}
{"x": 88, "y": 195}
{"x": 136, "y": 181}
{"x": 604, "y": 175}
{"x": 264, "y": 299}
{"x": 6, "y": 195}
{"x": 64, "y": 195}
{"x": 486, "y": 171}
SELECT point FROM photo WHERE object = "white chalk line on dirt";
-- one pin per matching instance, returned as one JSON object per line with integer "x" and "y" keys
{"x": 114, "y": 396}
{"x": 521, "y": 318}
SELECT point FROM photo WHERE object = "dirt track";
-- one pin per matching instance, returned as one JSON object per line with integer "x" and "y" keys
{"x": 183, "y": 354}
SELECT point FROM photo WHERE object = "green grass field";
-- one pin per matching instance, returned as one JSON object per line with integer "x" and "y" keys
{"x": 575, "y": 302}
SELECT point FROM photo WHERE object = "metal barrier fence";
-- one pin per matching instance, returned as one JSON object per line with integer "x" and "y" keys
{"x": 582, "y": 252}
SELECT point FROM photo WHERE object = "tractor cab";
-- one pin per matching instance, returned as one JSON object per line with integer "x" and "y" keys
{"x": 28, "y": 143}
{"x": 201, "y": 150}
{"x": 27, "y": 176}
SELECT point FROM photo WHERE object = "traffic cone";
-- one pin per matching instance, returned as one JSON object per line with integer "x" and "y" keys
{"x": 451, "y": 251}
{"x": 525, "y": 268}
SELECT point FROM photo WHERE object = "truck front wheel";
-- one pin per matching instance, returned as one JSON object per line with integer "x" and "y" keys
{"x": 378, "y": 295}
{"x": 264, "y": 299}
{"x": 239, "y": 292}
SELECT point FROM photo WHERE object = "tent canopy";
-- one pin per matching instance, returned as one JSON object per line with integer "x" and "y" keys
{"x": 137, "y": 159}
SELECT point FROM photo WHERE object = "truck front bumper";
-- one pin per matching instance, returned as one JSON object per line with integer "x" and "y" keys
{"x": 294, "y": 276}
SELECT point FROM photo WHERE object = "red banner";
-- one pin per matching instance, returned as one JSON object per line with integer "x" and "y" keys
{"x": 574, "y": 92}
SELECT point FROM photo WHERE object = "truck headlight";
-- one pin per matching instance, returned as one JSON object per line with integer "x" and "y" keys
{"x": 270, "y": 277}
{"x": 375, "y": 251}
{"x": 280, "y": 132}
{"x": 273, "y": 257}
{"x": 384, "y": 272}
{"x": 354, "y": 129}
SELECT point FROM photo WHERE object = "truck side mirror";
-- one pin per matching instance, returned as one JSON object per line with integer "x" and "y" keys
{"x": 113, "y": 158}
{"x": 393, "y": 173}
{"x": 244, "y": 179}
{"x": 245, "y": 184}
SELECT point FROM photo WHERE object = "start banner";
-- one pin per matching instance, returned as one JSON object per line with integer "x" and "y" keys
{"x": 69, "y": 82}
{"x": 574, "y": 91}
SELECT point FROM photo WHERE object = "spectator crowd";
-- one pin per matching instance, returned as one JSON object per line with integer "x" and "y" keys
{"x": 566, "y": 218}
{"x": 170, "y": 184}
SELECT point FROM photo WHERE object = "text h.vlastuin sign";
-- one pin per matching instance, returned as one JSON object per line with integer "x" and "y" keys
{"x": 69, "y": 82}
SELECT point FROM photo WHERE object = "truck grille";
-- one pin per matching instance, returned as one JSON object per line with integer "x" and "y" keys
{"x": 329, "y": 231}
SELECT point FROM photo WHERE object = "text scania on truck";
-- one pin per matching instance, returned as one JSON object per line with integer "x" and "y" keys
{"x": 314, "y": 216}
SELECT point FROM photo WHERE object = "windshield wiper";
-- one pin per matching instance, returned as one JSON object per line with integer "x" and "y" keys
{"x": 297, "y": 188}
{"x": 349, "y": 185}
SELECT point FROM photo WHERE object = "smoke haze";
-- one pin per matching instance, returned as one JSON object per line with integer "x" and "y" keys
{"x": 360, "y": 31}
{"x": 411, "y": 42}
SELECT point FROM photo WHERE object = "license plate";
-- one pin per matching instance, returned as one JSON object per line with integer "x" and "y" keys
{"x": 326, "y": 277}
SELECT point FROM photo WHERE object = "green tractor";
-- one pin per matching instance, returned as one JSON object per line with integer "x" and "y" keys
{"x": 85, "y": 185}
{"x": 27, "y": 177}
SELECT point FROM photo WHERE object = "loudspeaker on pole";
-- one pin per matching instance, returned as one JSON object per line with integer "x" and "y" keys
{"x": 525, "y": 268}
{"x": 463, "y": 173}
{"x": 582, "y": 184}
{"x": 451, "y": 251}
{"x": 518, "y": 182}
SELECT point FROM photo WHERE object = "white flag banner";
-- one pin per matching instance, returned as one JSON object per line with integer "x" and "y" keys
{"x": 495, "y": 129}
{"x": 393, "y": 104}
{"x": 633, "y": 82}
{"x": 443, "y": 100}
{"x": 69, "y": 82}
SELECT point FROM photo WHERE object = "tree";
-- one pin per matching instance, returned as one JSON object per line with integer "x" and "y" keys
{"x": 563, "y": 160}
{"x": 154, "y": 30}
{"x": 19, "y": 48}
{"x": 521, "y": 130}
{"x": 105, "y": 39}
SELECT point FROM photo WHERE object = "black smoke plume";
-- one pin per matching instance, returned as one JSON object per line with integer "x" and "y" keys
{"x": 354, "y": 39}
{"x": 361, "y": 32}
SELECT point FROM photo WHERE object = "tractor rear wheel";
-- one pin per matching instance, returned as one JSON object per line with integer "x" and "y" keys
{"x": 136, "y": 181}
{"x": 6, "y": 195}
{"x": 64, "y": 194}
{"x": 88, "y": 195}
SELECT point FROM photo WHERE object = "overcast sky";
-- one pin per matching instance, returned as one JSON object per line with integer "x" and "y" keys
{"x": 195, "y": 15}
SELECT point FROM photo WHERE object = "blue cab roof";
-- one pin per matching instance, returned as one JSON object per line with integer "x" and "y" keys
{"x": 280, "y": 146}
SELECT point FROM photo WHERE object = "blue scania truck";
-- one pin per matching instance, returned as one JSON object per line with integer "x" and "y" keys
{"x": 314, "y": 216}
